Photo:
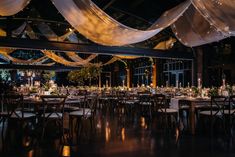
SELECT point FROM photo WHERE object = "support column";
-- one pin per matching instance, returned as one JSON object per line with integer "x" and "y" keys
{"x": 200, "y": 64}
{"x": 154, "y": 75}
{"x": 128, "y": 77}
{"x": 100, "y": 81}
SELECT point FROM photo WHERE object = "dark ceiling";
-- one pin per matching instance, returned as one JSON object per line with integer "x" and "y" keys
{"x": 134, "y": 13}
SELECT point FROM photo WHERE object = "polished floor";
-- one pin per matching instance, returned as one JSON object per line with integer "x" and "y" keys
{"x": 118, "y": 135}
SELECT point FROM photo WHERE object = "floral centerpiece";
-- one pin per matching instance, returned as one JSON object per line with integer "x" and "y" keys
{"x": 195, "y": 91}
{"x": 87, "y": 73}
{"x": 213, "y": 92}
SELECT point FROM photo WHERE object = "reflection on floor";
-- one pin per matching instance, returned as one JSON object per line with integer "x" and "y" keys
{"x": 116, "y": 135}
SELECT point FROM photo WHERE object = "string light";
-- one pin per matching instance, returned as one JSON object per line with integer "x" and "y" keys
{"x": 97, "y": 26}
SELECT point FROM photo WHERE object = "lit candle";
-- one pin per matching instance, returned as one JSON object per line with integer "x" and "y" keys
{"x": 106, "y": 83}
{"x": 223, "y": 82}
{"x": 190, "y": 92}
{"x": 180, "y": 84}
{"x": 199, "y": 82}
{"x": 188, "y": 85}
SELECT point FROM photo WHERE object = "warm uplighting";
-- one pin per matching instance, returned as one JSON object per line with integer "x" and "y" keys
{"x": 66, "y": 151}
{"x": 123, "y": 134}
{"x": 143, "y": 123}
{"x": 30, "y": 153}
{"x": 98, "y": 125}
{"x": 165, "y": 45}
{"x": 107, "y": 132}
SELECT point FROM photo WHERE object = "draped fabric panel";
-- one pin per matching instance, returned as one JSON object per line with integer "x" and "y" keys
{"x": 192, "y": 29}
{"x": 77, "y": 61}
{"x": 165, "y": 45}
{"x": 47, "y": 32}
{"x": 95, "y": 24}
{"x": 30, "y": 33}
{"x": 19, "y": 30}
{"x": 51, "y": 35}
{"x": 206, "y": 21}
{"x": 60, "y": 59}
{"x": 194, "y": 22}
{"x": 15, "y": 32}
{"x": 76, "y": 58}
{"x": 220, "y": 13}
{"x": 65, "y": 62}
{"x": 6, "y": 54}
{"x": 11, "y": 7}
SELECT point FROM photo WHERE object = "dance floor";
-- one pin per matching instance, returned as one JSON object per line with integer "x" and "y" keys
{"x": 117, "y": 135}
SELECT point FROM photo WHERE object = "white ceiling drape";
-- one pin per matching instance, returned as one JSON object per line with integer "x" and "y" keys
{"x": 11, "y": 7}
{"x": 194, "y": 22}
{"x": 89, "y": 20}
{"x": 220, "y": 13}
{"x": 192, "y": 29}
{"x": 206, "y": 21}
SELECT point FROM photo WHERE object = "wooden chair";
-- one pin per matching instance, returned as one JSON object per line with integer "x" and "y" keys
{"x": 184, "y": 109}
{"x": 164, "y": 111}
{"x": 14, "y": 110}
{"x": 218, "y": 110}
{"x": 145, "y": 104}
{"x": 231, "y": 113}
{"x": 3, "y": 116}
{"x": 86, "y": 112}
{"x": 53, "y": 111}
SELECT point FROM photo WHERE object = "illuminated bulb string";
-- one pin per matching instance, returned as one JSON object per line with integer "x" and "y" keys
{"x": 204, "y": 12}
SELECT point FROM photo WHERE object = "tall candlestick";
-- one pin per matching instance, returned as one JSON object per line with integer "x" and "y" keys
{"x": 223, "y": 82}
{"x": 177, "y": 84}
{"x": 199, "y": 83}
{"x": 106, "y": 83}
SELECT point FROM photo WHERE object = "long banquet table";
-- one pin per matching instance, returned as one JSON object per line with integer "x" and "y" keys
{"x": 194, "y": 102}
{"x": 33, "y": 100}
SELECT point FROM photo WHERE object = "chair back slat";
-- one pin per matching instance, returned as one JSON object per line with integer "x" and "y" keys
{"x": 160, "y": 102}
{"x": 53, "y": 104}
{"x": 14, "y": 103}
{"x": 218, "y": 105}
{"x": 232, "y": 105}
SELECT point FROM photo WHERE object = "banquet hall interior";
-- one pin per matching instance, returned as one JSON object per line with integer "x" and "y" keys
{"x": 88, "y": 78}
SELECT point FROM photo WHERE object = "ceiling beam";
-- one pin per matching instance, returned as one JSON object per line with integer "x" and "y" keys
{"x": 91, "y": 48}
{"x": 38, "y": 67}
